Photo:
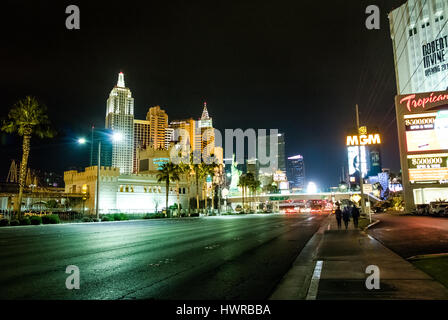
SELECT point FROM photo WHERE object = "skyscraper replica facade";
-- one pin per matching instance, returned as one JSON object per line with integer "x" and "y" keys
{"x": 142, "y": 139}
{"x": 158, "y": 120}
{"x": 296, "y": 172}
{"x": 120, "y": 118}
{"x": 204, "y": 135}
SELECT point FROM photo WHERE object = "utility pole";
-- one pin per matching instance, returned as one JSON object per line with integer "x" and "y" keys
{"x": 98, "y": 182}
{"x": 361, "y": 179}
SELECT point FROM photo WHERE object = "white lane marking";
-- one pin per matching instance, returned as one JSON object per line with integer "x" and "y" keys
{"x": 314, "y": 285}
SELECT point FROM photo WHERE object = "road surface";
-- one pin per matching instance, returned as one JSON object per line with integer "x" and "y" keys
{"x": 409, "y": 235}
{"x": 232, "y": 257}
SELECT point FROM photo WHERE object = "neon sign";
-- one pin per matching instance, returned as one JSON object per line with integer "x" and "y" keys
{"x": 422, "y": 102}
{"x": 363, "y": 139}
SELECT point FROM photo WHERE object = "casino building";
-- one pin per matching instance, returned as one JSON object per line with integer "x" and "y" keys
{"x": 419, "y": 31}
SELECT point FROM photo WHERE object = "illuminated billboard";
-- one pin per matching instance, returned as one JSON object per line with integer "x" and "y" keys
{"x": 427, "y": 131}
{"x": 428, "y": 167}
{"x": 353, "y": 160}
{"x": 363, "y": 139}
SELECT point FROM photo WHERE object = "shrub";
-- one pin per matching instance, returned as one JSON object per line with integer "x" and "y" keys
{"x": 25, "y": 221}
{"x": 50, "y": 219}
{"x": 120, "y": 217}
{"x": 14, "y": 223}
{"x": 194, "y": 214}
{"x": 87, "y": 219}
{"x": 106, "y": 218}
{"x": 35, "y": 220}
{"x": 4, "y": 222}
{"x": 54, "y": 219}
{"x": 154, "y": 216}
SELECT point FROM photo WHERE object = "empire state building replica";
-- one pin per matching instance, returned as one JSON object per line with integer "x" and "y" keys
{"x": 120, "y": 118}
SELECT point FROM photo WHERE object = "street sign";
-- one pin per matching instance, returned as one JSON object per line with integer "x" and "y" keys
{"x": 368, "y": 188}
{"x": 278, "y": 198}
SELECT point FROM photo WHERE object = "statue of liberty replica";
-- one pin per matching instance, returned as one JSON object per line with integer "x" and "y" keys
{"x": 235, "y": 178}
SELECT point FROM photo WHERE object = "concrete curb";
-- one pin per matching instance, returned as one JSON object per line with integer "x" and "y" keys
{"x": 296, "y": 283}
{"x": 372, "y": 224}
{"x": 427, "y": 256}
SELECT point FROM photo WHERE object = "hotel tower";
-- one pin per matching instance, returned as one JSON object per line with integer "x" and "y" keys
{"x": 120, "y": 118}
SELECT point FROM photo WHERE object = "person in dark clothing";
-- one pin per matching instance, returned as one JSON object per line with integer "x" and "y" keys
{"x": 338, "y": 214}
{"x": 346, "y": 216}
{"x": 355, "y": 216}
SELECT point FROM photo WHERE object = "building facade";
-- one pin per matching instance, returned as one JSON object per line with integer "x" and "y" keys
{"x": 103, "y": 136}
{"x": 158, "y": 120}
{"x": 122, "y": 193}
{"x": 279, "y": 163}
{"x": 204, "y": 138}
{"x": 120, "y": 118}
{"x": 419, "y": 32}
{"x": 422, "y": 121}
{"x": 142, "y": 139}
{"x": 296, "y": 172}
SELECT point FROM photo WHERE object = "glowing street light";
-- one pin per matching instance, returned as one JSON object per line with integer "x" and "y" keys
{"x": 115, "y": 137}
{"x": 311, "y": 188}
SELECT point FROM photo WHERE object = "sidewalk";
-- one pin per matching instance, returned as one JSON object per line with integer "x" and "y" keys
{"x": 332, "y": 266}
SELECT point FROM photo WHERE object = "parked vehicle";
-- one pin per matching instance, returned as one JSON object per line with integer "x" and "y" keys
{"x": 438, "y": 208}
{"x": 423, "y": 209}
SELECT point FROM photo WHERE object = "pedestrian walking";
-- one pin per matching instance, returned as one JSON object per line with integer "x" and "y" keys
{"x": 346, "y": 216}
{"x": 338, "y": 214}
{"x": 355, "y": 216}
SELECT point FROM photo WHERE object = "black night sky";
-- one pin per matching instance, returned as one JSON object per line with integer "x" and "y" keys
{"x": 299, "y": 66}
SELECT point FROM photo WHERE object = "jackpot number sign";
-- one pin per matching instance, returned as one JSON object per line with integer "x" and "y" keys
{"x": 427, "y": 132}
{"x": 431, "y": 167}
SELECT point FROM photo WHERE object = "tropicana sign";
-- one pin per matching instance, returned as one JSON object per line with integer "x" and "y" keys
{"x": 412, "y": 102}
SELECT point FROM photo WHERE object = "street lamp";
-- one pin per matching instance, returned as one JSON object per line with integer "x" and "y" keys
{"x": 116, "y": 137}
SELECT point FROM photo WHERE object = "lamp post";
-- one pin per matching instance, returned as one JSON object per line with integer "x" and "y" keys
{"x": 116, "y": 136}
{"x": 97, "y": 193}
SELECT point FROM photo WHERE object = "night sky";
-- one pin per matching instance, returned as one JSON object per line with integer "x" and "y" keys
{"x": 299, "y": 66}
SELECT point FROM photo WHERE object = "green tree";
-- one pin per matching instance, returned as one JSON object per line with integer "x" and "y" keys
{"x": 211, "y": 171}
{"x": 254, "y": 185}
{"x": 27, "y": 117}
{"x": 243, "y": 182}
{"x": 181, "y": 169}
{"x": 168, "y": 174}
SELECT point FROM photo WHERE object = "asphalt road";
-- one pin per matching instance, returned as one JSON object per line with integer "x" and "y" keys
{"x": 233, "y": 257}
{"x": 409, "y": 235}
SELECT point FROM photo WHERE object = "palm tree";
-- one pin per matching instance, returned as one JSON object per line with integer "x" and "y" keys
{"x": 167, "y": 174}
{"x": 250, "y": 180}
{"x": 242, "y": 182}
{"x": 210, "y": 171}
{"x": 27, "y": 117}
{"x": 180, "y": 170}
{"x": 254, "y": 186}
{"x": 200, "y": 173}
{"x": 213, "y": 172}
{"x": 187, "y": 171}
